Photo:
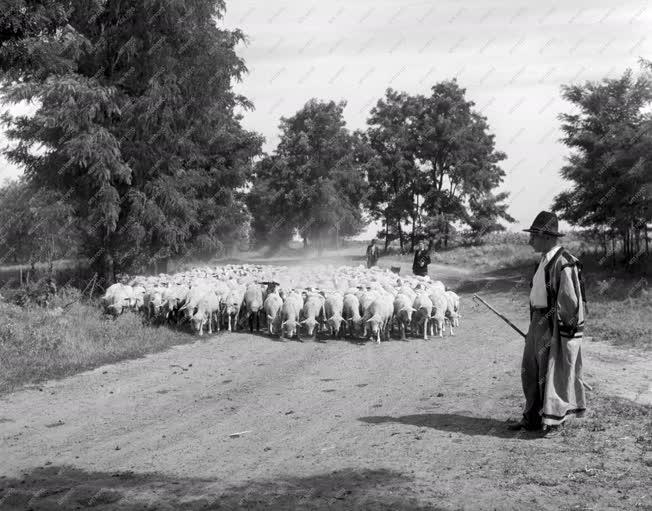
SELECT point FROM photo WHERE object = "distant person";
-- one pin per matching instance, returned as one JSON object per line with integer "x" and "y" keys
{"x": 421, "y": 260}
{"x": 372, "y": 254}
{"x": 551, "y": 370}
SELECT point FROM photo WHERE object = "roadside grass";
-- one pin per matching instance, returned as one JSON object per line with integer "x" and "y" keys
{"x": 608, "y": 449}
{"x": 492, "y": 256}
{"x": 38, "y": 344}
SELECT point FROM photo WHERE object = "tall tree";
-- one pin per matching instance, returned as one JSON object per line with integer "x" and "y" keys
{"x": 394, "y": 178}
{"x": 610, "y": 167}
{"x": 138, "y": 119}
{"x": 314, "y": 181}
{"x": 454, "y": 144}
{"x": 436, "y": 164}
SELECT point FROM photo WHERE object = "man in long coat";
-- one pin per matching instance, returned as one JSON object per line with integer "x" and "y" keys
{"x": 372, "y": 254}
{"x": 551, "y": 372}
{"x": 421, "y": 260}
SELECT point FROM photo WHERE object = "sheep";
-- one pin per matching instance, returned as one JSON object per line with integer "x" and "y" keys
{"x": 338, "y": 298}
{"x": 379, "y": 315}
{"x": 333, "y": 310}
{"x": 207, "y": 309}
{"x": 290, "y": 312}
{"x": 272, "y": 307}
{"x": 423, "y": 310}
{"x": 117, "y": 298}
{"x": 351, "y": 313}
{"x": 253, "y": 305}
{"x": 452, "y": 310}
{"x": 403, "y": 311}
{"x": 438, "y": 313}
{"x": 232, "y": 307}
{"x": 312, "y": 312}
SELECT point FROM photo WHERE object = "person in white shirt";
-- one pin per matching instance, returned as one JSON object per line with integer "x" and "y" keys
{"x": 551, "y": 371}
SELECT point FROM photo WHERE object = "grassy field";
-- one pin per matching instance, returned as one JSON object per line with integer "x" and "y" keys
{"x": 37, "y": 344}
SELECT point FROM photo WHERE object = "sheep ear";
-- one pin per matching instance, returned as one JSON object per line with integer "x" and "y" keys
{"x": 413, "y": 309}
{"x": 269, "y": 316}
{"x": 283, "y": 324}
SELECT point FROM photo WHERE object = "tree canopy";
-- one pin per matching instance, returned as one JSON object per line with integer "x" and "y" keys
{"x": 437, "y": 163}
{"x": 610, "y": 137}
{"x": 314, "y": 182}
{"x": 136, "y": 119}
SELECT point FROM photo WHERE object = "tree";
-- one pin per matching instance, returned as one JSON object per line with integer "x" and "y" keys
{"x": 138, "y": 119}
{"x": 610, "y": 168}
{"x": 437, "y": 164}
{"x": 39, "y": 225}
{"x": 453, "y": 143}
{"x": 314, "y": 181}
{"x": 393, "y": 176}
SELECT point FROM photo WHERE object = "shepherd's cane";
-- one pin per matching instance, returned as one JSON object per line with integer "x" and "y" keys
{"x": 501, "y": 316}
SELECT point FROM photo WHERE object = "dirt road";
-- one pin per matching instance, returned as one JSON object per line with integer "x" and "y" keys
{"x": 336, "y": 425}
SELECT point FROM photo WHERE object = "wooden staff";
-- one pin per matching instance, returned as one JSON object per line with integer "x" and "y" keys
{"x": 501, "y": 316}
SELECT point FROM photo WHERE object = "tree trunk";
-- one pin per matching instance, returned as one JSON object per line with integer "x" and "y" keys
{"x": 400, "y": 233}
{"x": 337, "y": 236}
{"x": 305, "y": 242}
{"x": 165, "y": 262}
{"x": 647, "y": 246}
{"x": 107, "y": 269}
{"x": 414, "y": 233}
{"x": 386, "y": 233}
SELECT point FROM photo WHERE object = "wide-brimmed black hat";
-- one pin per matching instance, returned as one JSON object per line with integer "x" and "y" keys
{"x": 545, "y": 223}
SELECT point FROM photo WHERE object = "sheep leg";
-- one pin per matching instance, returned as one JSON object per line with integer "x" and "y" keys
{"x": 425, "y": 329}
{"x": 230, "y": 323}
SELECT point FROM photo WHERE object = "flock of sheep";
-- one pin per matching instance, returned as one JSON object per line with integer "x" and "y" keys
{"x": 345, "y": 301}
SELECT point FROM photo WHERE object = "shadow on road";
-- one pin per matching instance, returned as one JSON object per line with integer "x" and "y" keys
{"x": 455, "y": 424}
{"x": 65, "y": 487}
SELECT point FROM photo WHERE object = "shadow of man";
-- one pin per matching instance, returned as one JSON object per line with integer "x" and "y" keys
{"x": 454, "y": 423}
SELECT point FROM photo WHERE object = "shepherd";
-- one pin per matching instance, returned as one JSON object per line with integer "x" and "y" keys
{"x": 372, "y": 254}
{"x": 421, "y": 260}
{"x": 551, "y": 370}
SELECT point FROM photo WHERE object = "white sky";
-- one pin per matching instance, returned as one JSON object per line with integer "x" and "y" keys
{"x": 510, "y": 55}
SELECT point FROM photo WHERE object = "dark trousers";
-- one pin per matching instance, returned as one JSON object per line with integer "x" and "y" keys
{"x": 534, "y": 367}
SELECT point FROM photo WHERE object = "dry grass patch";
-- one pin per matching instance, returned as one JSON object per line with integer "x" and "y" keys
{"x": 37, "y": 344}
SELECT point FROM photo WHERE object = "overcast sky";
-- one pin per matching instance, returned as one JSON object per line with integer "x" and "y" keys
{"x": 511, "y": 56}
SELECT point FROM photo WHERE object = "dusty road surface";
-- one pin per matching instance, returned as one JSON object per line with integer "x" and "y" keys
{"x": 239, "y": 421}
